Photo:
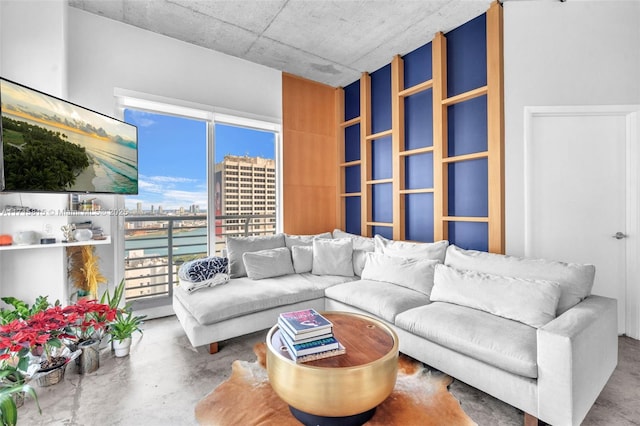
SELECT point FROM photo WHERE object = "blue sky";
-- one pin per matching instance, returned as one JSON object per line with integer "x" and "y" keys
{"x": 172, "y": 157}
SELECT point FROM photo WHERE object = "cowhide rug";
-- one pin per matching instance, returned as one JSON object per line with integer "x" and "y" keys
{"x": 420, "y": 398}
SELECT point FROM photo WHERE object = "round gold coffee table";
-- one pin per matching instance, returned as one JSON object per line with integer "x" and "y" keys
{"x": 344, "y": 387}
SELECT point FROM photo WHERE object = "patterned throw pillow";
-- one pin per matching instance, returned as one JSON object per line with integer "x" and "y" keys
{"x": 201, "y": 273}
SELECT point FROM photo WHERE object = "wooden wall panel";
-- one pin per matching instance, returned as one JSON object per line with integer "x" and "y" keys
{"x": 309, "y": 151}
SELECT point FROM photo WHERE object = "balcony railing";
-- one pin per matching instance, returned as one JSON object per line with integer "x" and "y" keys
{"x": 156, "y": 246}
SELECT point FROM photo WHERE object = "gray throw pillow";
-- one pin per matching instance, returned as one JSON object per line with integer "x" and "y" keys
{"x": 435, "y": 251}
{"x": 302, "y": 258}
{"x": 333, "y": 257}
{"x": 415, "y": 274}
{"x": 268, "y": 263}
{"x": 237, "y": 246}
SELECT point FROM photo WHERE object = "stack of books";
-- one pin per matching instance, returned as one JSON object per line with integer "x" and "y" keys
{"x": 308, "y": 336}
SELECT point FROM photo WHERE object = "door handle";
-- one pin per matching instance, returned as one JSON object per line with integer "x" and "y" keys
{"x": 620, "y": 235}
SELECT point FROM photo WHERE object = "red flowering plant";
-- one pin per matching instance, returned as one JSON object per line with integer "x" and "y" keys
{"x": 88, "y": 319}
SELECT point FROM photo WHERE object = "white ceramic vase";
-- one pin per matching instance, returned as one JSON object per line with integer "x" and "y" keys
{"x": 121, "y": 347}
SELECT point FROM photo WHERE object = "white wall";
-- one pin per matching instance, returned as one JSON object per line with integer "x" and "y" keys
{"x": 83, "y": 57}
{"x": 572, "y": 53}
{"x": 104, "y": 54}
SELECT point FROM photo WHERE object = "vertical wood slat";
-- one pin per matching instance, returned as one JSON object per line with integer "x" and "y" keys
{"x": 397, "y": 146}
{"x": 495, "y": 127}
{"x": 341, "y": 218}
{"x": 365, "y": 155}
{"x": 440, "y": 181}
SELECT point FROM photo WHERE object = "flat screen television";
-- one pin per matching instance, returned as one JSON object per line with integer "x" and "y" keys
{"x": 52, "y": 145}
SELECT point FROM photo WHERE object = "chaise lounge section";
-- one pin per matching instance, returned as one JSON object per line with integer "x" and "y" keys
{"x": 526, "y": 331}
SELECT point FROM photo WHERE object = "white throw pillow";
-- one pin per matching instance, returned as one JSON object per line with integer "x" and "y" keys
{"x": 333, "y": 257}
{"x": 268, "y": 263}
{"x": 415, "y": 274}
{"x": 576, "y": 280}
{"x": 532, "y": 302}
{"x": 434, "y": 251}
{"x": 237, "y": 246}
{"x": 359, "y": 242}
{"x": 303, "y": 240}
{"x": 302, "y": 258}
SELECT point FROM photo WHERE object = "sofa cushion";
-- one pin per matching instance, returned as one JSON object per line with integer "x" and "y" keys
{"x": 532, "y": 302}
{"x": 237, "y": 246}
{"x": 384, "y": 300}
{"x": 268, "y": 263}
{"x": 416, "y": 274}
{"x": 359, "y": 261}
{"x": 575, "y": 280}
{"x": 242, "y": 296}
{"x": 503, "y": 343}
{"x": 333, "y": 257}
{"x": 302, "y": 258}
{"x": 303, "y": 240}
{"x": 435, "y": 251}
{"x": 359, "y": 242}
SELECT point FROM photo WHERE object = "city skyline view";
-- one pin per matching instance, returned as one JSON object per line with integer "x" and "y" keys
{"x": 172, "y": 158}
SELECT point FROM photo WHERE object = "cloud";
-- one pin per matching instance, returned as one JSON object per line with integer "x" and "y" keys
{"x": 141, "y": 118}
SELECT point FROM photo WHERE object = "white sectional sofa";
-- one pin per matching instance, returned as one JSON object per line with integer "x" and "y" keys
{"x": 526, "y": 331}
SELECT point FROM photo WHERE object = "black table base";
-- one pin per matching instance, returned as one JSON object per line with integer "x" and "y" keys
{"x": 313, "y": 420}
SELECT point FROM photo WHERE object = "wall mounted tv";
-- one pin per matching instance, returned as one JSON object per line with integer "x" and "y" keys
{"x": 52, "y": 145}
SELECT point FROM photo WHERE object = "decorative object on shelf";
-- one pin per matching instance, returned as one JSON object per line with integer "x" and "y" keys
{"x": 84, "y": 270}
{"x": 67, "y": 231}
{"x": 122, "y": 329}
{"x": 25, "y": 238}
{"x": 82, "y": 234}
{"x": 6, "y": 240}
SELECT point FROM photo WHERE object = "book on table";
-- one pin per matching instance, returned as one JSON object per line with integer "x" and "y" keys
{"x": 305, "y": 321}
{"x": 321, "y": 355}
{"x": 303, "y": 338}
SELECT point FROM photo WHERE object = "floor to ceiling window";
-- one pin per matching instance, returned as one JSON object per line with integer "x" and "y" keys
{"x": 202, "y": 177}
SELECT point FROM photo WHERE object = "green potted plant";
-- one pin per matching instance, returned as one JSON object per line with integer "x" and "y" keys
{"x": 121, "y": 330}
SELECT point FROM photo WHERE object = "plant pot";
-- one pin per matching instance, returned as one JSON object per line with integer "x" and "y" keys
{"x": 52, "y": 375}
{"x": 89, "y": 359}
{"x": 122, "y": 347}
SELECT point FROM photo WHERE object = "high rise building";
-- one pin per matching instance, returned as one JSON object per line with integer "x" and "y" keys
{"x": 246, "y": 186}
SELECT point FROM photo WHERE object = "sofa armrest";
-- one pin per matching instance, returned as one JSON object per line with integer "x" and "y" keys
{"x": 577, "y": 352}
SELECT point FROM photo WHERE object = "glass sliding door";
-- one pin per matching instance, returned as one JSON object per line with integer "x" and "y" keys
{"x": 245, "y": 181}
{"x": 166, "y": 223}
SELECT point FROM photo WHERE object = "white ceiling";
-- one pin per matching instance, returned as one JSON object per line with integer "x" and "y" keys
{"x": 330, "y": 41}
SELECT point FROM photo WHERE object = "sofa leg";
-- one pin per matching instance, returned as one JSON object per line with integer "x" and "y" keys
{"x": 529, "y": 420}
{"x": 213, "y": 347}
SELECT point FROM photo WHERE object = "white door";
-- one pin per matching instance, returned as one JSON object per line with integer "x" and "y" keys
{"x": 578, "y": 195}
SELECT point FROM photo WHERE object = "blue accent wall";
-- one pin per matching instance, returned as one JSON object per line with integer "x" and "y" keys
{"x": 352, "y": 179}
{"x": 418, "y": 66}
{"x": 468, "y": 188}
{"x": 467, "y": 56}
{"x": 467, "y": 127}
{"x": 382, "y": 202}
{"x": 381, "y": 99}
{"x": 352, "y": 213}
{"x": 418, "y": 171}
{"x": 381, "y": 166}
{"x": 419, "y": 217}
{"x": 469, "y": 235}
{"x": 385, "y": 231}
{"x": 352, "y": 101}
{"x": 352, "y": 143}
{"x": 418, "y": 120}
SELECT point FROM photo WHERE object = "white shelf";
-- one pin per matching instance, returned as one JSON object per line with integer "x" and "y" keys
{"x": 43, "y": 246}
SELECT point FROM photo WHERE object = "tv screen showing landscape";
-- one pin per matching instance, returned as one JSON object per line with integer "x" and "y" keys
{"x": 51, "y": 145}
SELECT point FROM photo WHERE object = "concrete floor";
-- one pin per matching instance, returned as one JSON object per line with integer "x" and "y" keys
{"x": 164, "y": 377}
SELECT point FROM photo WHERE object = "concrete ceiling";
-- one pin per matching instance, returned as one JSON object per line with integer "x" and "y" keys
{"x": 330, "y": 41}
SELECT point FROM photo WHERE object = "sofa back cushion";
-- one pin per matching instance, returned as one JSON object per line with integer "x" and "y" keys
{"x": 237, "y": 246}
{"x": 268, "y": 263}
{"x": 359, "y": 242}
{"x": 434, "y": 251}
{"x": 303, "y": 240}
{"x": 302, "y": 258}
{"x": 575, "y": 280}
{"x": 529, "y": 301}
{"x": 415, "y": 274}
{"x": 333, "y": 257}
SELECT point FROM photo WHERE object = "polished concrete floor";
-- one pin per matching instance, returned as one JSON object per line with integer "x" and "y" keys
{"x": 164, "y": 377}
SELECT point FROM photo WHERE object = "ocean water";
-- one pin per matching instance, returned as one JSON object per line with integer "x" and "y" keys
{"x": 184, "y": 243}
